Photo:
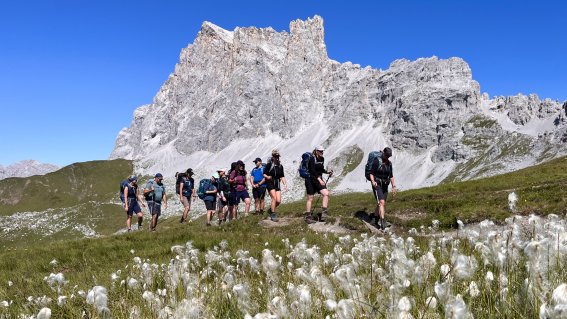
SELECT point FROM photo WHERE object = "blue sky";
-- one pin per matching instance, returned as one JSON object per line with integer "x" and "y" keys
{"x": 72, "y": 72}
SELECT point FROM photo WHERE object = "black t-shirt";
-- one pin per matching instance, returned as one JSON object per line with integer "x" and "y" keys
{"x": 273, "y": 170}
{"x": 384, "y": 171}
{"x": 316, "y": 167}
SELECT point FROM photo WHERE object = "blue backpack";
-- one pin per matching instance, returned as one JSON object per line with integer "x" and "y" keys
{"x": 304, "y": 165}
{"x": 123, "y": 184}
{"x": 373, "y": 156}
{"x": 258, "y": 173}
{"x": 203, "y": 187}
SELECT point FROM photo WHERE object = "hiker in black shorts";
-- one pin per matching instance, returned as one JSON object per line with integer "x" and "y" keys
{"x": 131, "y": 203}
{"x": 258, "y": 185}
{"x": 381, "y": 175}
{"x": 275, "y": 177}
{"x": 222, "y": 195}
{"x": 316, "y": 184}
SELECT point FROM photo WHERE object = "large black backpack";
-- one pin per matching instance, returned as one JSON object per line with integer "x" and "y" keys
{"x": 179, "y": 181}
{"x": 373, "y": 156}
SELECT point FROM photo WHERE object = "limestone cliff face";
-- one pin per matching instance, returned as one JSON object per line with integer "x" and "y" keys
{"x": 26, "y": 168}
{"x": 254, "y": 84}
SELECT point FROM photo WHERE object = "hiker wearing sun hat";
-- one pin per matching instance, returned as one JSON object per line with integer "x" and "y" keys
{"x": 275, "y": 177}
{"x": 316, "y": 184}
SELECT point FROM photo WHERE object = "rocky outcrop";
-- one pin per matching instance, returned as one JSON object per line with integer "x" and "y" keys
{"x": 26, "y": 168}
{"x": 280, "y": 88}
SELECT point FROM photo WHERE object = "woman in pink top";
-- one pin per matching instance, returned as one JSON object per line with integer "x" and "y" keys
{"x": 239, "y": 183}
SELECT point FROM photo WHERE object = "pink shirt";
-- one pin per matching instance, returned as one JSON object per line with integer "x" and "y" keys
{"x": 239, "y": 181}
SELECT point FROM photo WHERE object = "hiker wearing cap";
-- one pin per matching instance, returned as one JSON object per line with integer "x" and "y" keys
{"x": 186, "y": 193}
{"x": 316, "y": 184}
{"x": 223, "y": 191}
{"x": 210, "y": 197}
{"x": 238, "y": 181}
{"x": 275, "y": 177}
{"x": 131, "y": 204}
{"x": 154, "y": 192}
{"x": 381, "y": 175}
{"x": 258, "y": 185}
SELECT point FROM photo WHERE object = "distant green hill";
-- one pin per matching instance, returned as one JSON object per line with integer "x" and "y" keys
{"x": 76, "y": 201}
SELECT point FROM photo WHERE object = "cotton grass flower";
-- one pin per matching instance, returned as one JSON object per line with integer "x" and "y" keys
{"x": 44, "y": 313}
{"x": 431, "y": 302}
{"x": 98, "y": 297}
{"x": 61, "y": 301}
{"x": 473, "y": 289}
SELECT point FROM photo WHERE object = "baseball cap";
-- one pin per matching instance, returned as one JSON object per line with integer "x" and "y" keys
{"x": 320, "y": 148}
{"x": 158, "y": 175}
{"x": 275, "y": 152}
{"x": 133, "y": 178}
{"x": 257, "y": 160}
{"x": 221, "y": 170}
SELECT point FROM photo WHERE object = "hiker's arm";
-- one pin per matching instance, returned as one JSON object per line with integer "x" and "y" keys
{"x": 284, "y": 182}
{"x": 181, "y": 185}
{"x": 164, "y": 200}
{"x": 394, "y": 189}
{"x": 125, "y": 198}
{"x": 252, "y": 180}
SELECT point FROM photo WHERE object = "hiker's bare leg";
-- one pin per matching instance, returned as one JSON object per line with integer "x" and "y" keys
{"x": 309, "y": 203}
{"x": 325, "y": 194}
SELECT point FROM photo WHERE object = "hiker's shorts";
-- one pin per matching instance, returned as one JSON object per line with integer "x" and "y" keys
{"x": 313, "y": 186}
{"x": 240, "y": 195}
{"x": 154, "y": 207}
{"x": 259, "y": 193}
{"x": 273, "y": 184}
{"x": 133, "y": 207}
{"x": 380, "y": 192}
{"x": 186, "y": 201}
{"x": 211, "y": 204}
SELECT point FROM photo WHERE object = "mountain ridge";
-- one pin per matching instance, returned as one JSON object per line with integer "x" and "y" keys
{"x": 238, "y": 94}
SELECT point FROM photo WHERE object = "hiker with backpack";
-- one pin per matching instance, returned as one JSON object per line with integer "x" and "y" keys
{"x": 154, "y": 192}
{"x": 223, "y": 192}
{"x": 315, "y": 183}
{"x": 274, "y": 176}
{"x": 232, "y": 207}
{"x": 131, "y": 203}
{"x": 208, "y": 193}
{"x": 238, "y": 181}
{"x": 380, "y": 173}
{"x": 185, "y": 188}
{"x": 258, "y": 186}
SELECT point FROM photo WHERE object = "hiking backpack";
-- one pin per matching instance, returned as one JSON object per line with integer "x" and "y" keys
{"x": 123, "y": 184}
{"x": 203, "y": 187}
{"x": 178, "y": 182}
{"x": 304, "y": 165}
{"x": 373, "y": 156}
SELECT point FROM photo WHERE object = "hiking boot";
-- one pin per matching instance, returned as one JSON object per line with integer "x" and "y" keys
{"x": 208, "y": 224}
{"x": 273, "y": 217}
{"x": 309, "y": 218}
{"x": 322, "y": 217}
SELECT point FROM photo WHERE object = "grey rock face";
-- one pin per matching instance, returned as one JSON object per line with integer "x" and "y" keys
{"x": 26, "y": 168}
{"x": 256, "y": 83}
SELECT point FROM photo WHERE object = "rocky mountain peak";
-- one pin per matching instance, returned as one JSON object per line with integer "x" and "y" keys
{"x": 237, "y": 94}
{"x": 26, "y": 168}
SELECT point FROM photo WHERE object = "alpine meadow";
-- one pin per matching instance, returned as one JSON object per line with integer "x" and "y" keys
{"x": 432, "y": 200}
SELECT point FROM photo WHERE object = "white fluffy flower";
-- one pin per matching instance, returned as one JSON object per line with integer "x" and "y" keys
{"x": 473, "y": 289}
{"x": 61, "y": 301}
{"x": 404, "y": 304}
{"x": 560, "y": 295}
{"x": 44, "y": 313}
{"x": 431, "y": 302}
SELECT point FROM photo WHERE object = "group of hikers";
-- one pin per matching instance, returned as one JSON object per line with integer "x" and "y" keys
{"x": 223, "y": 191}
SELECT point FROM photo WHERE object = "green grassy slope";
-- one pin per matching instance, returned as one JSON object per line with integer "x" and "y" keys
{"x": 88, "y": 262}
{"x": 72, "y": 185}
